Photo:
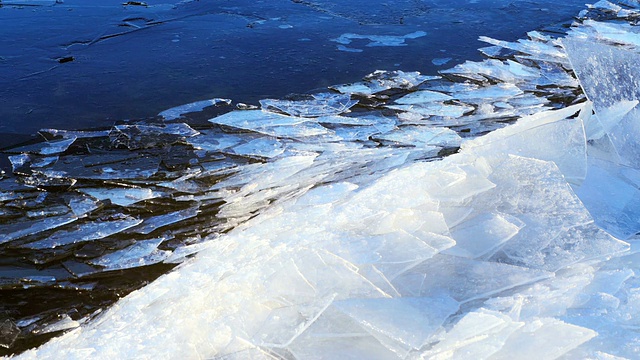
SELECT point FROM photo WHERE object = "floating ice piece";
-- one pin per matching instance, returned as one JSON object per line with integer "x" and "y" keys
{"x": 178, "y": 111}
{"x": 121, "y": 196}
{"x": 109, "y": 166}
{"x": 14, "y": 231}
{"x": 381, "y": 80}
{"x": 434, "y": 109}
{"x": 256, "y": 119}
{"x": 142, "y": 253}
{"x": 214, "y": 142}
{"x": 379, "y": 40}
{"x": 464, "y": 279}
{"x": 322, "y": 104}
{"x": 269, "y": 123}
{"x": 85, "y": 232}
{"x": 488, "y": 94}
{"x": 400, "y": 324}
{"x": 508, "y": 71}
{"x": 151, "y": 224}
{"x": 535, "y": 49}
{"x": 423, "y": 96}
{"x": 44, "y": 148}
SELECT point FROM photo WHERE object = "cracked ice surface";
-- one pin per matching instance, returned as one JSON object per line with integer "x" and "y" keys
{"x": 341, "y": 240}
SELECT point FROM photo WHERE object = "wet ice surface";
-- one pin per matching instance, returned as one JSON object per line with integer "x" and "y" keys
{"x": 336, "y": 223}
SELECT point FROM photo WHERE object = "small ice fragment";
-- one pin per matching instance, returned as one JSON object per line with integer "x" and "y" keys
{"x": 381, "y": 80}
{"x": 488, "y": 93}
{"x": 178, "y": 111}
{"x": 12, "y": 231}
{"x": 348, "y": 49}
{"x": 93, "y": 230}
{"x": 261, "y": 147}
{"x": 423, "y": 96}
{"x": 142, "y": 253}
{"x": 214, "y": 142}
{"x": 121, "y": 196}
{"x": 440, "y": 61}
{"x": 151, "y": 224}
{"x": 320, "y": 105}
{"x": 44, "y": 148}
{"x": 64, "y": 323}
{"x": 422, "y": 136}
{"x": 434, "y": 109}
{"x": 379, "y": 40}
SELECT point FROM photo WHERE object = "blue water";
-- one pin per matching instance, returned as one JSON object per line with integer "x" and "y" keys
{"x": 77, "y": 65}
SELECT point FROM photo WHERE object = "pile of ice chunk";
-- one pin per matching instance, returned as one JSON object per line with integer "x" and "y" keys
{"x": 339, "y": 223}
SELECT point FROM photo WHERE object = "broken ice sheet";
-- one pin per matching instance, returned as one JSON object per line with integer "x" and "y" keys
{"x": 178, "y": 111}
{"x": 261, "y": 147}
{"x": 323, "y": 104}
{"x": 401, "y": 324}
{"x": 381, "y": 80}
{"x": 508, "y": 71}
{"x": 88, "y": 231}
{"x": 464, "y": 279}
{"x": 16, "y": 230}
{"x": 142, "y": 253}
{"x": 488, "y": 94}
{"x": 483, "y": 234}
{"x": 110, "y": 166}
{"x": 44, "y": 148}
{"x": 607, "y": 74}
{"x": 542, "y": 50}
{"x": 544, "y": 338}
{"x": 256, "y": 120}
{"x": 151, "y": 224}
{"x": 121, "y": 196}
{"x": 477, "y": 335}
{"x": 423, "y": 96}
{"x": 612, "y": 195}
{"x": 422, "y": 136}
{"x": 214, "y": 142}
{"x": 434, "y": 109}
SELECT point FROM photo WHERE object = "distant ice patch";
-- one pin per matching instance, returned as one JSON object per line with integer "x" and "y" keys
{"x": 375, "y": 40}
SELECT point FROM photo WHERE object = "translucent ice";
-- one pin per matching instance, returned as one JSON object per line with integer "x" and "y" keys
{"x": 379, "y": 40}
{"x": 178, "y": 111}
{"x": 85, "y": 232}
{"x": 321, "y": 105}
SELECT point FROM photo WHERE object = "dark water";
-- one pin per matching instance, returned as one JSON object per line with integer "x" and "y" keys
{"x": 79, "y": 64}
